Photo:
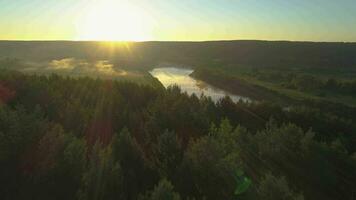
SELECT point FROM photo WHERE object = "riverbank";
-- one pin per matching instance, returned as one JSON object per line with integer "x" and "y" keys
{"x": 238, "y": 86}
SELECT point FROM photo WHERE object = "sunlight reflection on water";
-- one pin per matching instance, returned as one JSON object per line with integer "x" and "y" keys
{"x": 180, "y": 76}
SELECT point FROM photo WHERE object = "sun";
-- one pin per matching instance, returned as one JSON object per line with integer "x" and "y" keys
{"x": 113, "y": 20}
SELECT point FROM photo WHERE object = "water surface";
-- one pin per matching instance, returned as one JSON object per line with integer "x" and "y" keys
{"x": 180, "y": 76}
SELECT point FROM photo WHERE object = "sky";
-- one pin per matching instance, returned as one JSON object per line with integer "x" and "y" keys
{"x": 178, "y": 20}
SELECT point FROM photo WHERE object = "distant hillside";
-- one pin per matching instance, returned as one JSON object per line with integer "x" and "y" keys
{"x": 214, "y": 53}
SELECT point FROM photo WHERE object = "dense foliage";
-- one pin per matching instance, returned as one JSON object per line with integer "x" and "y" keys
{"x": 83, "y": 138}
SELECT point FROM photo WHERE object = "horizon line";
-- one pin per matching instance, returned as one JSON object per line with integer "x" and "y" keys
{"x": 183, "y": 41}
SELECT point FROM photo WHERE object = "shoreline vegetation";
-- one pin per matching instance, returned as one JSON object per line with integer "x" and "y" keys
{"x": 253, "y": 87}
{"x": 238, "y": 86}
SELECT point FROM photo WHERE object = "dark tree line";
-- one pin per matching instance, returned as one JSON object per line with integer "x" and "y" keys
{"x": 308, "y": 83}
{"x": 67, "y": 138}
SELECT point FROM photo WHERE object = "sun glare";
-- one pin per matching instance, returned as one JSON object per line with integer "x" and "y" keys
{"x": 111, "y": 20}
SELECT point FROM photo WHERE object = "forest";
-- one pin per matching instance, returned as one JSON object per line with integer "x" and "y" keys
{"x": 65, "y": 137}
{"x": 265, "y": 54}
{"x": 86, "y": 120}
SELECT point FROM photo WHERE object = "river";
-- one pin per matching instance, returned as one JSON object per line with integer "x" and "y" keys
{"x": 180, "y": 77}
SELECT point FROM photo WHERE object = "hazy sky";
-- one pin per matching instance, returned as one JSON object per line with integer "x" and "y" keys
{"x": 317, "y": 20}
